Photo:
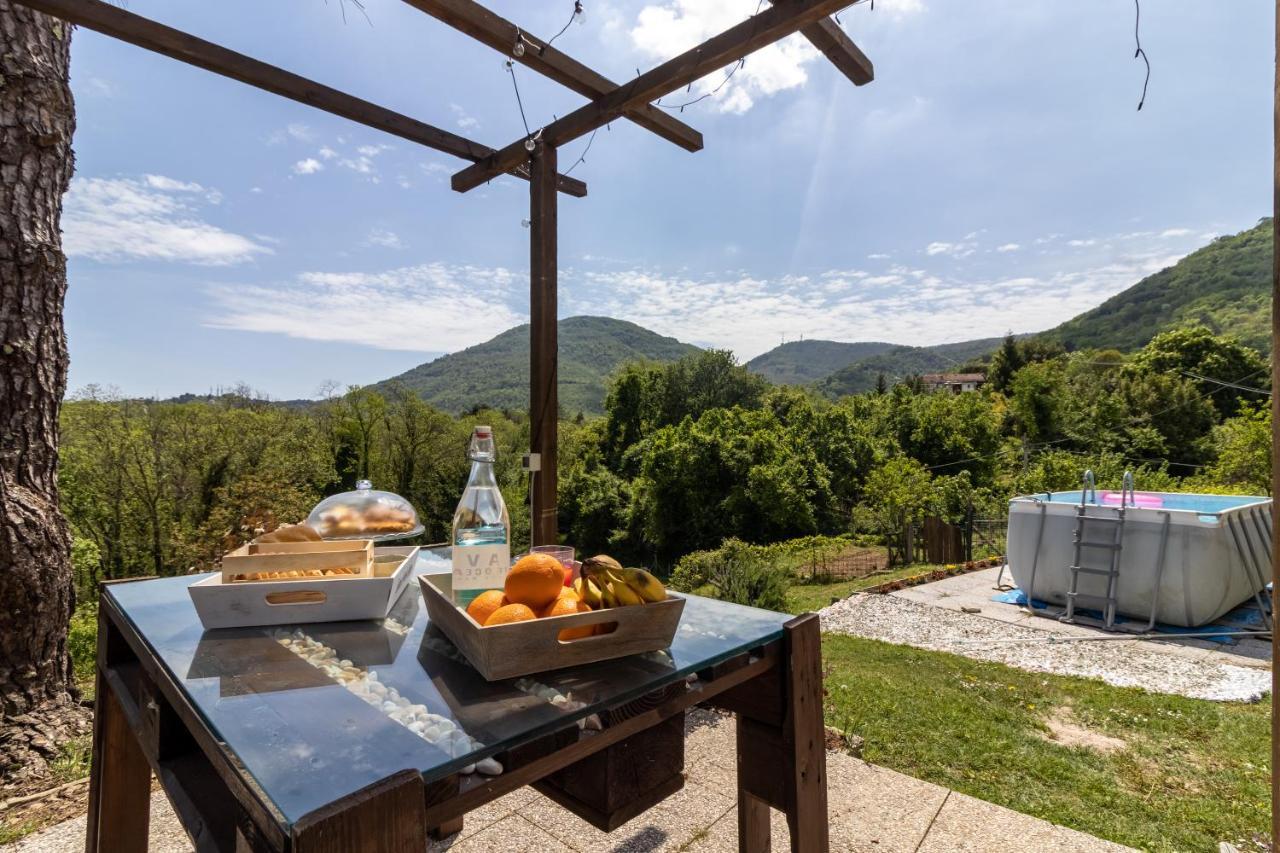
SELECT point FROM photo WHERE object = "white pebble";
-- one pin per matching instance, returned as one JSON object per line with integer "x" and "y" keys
{"x": 489, "y": 767}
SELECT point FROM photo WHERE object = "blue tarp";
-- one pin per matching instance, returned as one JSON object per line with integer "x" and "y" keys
{"x": 1244, "y": 617}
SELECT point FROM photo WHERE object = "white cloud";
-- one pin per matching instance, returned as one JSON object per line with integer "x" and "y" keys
{"x": 910, "y": 306}
{"x": 955, "y": 250}
{"x": 1175, "y": 232}
{"x": 308, "y": 166}
{"x": 155, "y": 218}
{"x": 102, "y": 88}
{"x": 466, "y": 121}
{"x": 382, "y": 238}
{"x": 327, "y": 153}
{"x": 427, "y": 308}
{"x": 297, "y": 132}
{"x": 1008, "y": 247}
{"x": 878, "y": 256}
{"x": 363, "y": 161}
{"x": 663, "y": 30}
{"x": 1077, "y": 244}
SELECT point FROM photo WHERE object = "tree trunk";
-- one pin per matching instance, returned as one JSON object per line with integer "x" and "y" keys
{"x": 37, "y": 118}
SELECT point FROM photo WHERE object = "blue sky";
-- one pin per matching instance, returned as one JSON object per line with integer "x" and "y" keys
{"x": 994, "y": 177}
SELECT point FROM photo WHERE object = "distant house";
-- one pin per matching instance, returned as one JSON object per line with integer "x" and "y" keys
{"x": 956, "y": 383}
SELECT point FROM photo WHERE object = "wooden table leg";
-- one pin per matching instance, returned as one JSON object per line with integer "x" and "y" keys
{"x": 119, "y": 781}
{"x": 753, "y": 824}
{"x": 782, "y": 759}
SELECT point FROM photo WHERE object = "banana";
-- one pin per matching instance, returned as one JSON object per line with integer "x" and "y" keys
{"x": 627, "y": 597}
{"x": 608, "y": 595}
{"x": 588, "y": 592}
{"x": 600, "y": 562}
{"x": 645, "y": 584}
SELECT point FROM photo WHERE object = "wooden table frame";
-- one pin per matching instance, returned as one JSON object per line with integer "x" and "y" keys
{"x": 144, "y": 723}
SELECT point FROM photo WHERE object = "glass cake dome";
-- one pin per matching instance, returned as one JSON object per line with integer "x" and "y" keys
{"x": 365, "y": 513}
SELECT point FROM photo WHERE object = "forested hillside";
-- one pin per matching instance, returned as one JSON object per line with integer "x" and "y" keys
{"x": 802, "y": 362}
{"x": 496, "y": 372}
{"x": 901, "y": 362}
{"x": 1226, "y": 287}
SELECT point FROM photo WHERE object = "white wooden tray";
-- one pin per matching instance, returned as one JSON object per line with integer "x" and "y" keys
{"x": 290, "y": 602}
{"x": 523, "y": 648}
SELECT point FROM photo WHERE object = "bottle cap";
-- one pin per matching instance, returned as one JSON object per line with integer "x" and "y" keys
{"x": 484, "y": 431}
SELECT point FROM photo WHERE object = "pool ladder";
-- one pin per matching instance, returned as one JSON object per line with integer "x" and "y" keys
{"x": 1114, "y": 521}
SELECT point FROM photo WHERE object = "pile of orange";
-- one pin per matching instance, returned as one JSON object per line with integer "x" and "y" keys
{"x": 534, "y": 589}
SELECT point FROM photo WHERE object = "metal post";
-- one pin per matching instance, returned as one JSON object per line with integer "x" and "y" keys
{"x": 544, "y": 407}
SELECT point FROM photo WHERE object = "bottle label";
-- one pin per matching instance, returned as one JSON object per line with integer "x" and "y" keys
{"x": 477, "y": 568}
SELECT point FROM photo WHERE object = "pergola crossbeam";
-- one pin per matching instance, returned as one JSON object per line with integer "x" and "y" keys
{"x": 827, "y": 36}
{"x": 143, "y": 32}
{"x": 717, "y": 52}
{"x": 502, "y": 35}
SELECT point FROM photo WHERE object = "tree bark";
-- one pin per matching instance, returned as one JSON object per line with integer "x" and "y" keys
{"x": 37, "y": 118}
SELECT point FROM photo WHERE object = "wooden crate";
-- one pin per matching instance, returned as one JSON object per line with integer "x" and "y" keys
{"x": 300, "y": 600}
{"x": 523, "y": 648}
{"x": 248, "y": 559}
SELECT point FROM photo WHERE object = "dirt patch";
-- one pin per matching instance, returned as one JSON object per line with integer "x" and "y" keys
{"x": 1066, "y": 730}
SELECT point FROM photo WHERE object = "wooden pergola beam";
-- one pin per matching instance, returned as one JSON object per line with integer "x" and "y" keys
{"x": 143, "y": 32}
{"x": 502, "y": 35}
{"x": 728, "y": 47}
{"x": 827, "y": 36}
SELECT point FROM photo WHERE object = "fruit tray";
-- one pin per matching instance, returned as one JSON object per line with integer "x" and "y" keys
{"x": 525, "y": 648}
{"x": 294, "y": 601}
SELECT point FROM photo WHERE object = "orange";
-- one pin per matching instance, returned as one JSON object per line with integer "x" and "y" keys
{"x": 565, "y": 595}
{"x": 564, "y": 606}
{"x": 535, "y": 580}
{"x": 483, "y": 605}
{"x": 509, "y": 613}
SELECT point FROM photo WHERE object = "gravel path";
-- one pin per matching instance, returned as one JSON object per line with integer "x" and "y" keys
{"x": 1125, "y": 664}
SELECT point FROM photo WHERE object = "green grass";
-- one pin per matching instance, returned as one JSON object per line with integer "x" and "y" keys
{"x": 73, "y": 760}
{"x": 1193, "y": 772}
{"x": 812, "y": 597}
{"x": 16, "y": 832}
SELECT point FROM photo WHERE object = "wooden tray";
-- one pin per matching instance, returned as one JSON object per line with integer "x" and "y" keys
{"x": 291, "y": 556}
{"x": 298, "y": 600}
{"x": 523, "y": 648}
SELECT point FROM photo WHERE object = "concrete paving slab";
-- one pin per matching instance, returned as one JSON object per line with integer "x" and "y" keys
{"x": 870, "y": 808}
{"x": 967, "y": 824}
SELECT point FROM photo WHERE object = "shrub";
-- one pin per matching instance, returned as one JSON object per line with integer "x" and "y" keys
{"x": 82, "y": 640}
{"x": 737, "y": 572}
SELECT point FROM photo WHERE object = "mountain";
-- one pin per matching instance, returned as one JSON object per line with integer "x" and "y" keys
{"x": 1225, "y": 286}
{"x": 898, "y": 363}
{"x": 802, "y": 362}
{"x": 496, "y": 372}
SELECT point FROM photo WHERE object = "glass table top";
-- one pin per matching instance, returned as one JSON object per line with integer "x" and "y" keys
{"x": 315, "y": 712}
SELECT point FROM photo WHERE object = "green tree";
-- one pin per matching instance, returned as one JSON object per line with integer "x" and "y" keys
{"x": 899, "y": 493}
{"x": 1244, "y": 450}
{"x": 1197, "y": 350}
{"x": 1005, "y": 363}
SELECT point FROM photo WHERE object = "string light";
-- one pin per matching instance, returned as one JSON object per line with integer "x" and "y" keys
{"x": 579, "y": 15}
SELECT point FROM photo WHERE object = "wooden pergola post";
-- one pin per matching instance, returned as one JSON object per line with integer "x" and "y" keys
{"x": 544, "y": 407}
{"x": 1275, "y": 435}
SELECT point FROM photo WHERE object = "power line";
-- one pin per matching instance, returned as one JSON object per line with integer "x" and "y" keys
{"x": 1226, "y": 384}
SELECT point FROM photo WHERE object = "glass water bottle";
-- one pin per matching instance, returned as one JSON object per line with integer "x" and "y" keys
{"x": 481, "y": 526}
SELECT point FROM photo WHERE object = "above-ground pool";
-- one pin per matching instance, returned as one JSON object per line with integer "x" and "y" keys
{"x": 1184, "y": 559}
